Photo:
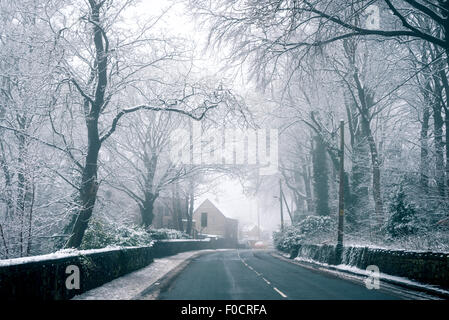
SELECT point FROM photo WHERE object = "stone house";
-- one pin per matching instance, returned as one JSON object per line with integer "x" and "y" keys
{"x": 211, "y": 221}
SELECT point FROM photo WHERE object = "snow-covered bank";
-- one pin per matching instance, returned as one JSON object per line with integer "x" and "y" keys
{"x": 430, "y": 268}
{"x": 401, "y": 281}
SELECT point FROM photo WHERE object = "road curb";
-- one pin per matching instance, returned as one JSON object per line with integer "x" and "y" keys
{"x": 320, "y": 267}
{"x": 153, "y": 291}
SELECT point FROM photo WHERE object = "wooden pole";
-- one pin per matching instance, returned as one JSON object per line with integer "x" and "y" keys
{"x": 258, "y": 221}
{"x": 280, "y": 203}
{"x": 288, "y": 209}
{"x": 341, "y": 210}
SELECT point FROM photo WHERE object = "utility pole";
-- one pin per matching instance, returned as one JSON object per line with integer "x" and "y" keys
{"x": 280, "y": 202}
{"x": 288, "y": 208}
{"x": 295, "y": 213}
{"x": 258, "y": 221}
{"x": 341, "y": 209}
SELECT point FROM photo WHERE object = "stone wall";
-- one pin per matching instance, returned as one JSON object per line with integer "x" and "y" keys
{"x": 44, "y": 277}
{"x": 425, "y": 267}
{"x": 170, "y": 247}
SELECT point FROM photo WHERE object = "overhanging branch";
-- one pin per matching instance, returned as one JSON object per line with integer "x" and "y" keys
{"x": 151, "y": 108}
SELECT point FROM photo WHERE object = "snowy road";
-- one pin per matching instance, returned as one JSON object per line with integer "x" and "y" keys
{"x": 248, "y": 274}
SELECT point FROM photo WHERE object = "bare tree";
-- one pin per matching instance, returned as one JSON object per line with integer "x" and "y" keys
{"x": 98, "y": 75}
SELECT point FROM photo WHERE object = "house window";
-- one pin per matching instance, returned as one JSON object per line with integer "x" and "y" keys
{"x": 203, "y": 219}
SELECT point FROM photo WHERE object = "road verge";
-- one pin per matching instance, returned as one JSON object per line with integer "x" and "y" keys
{"x": 405, "y": 287}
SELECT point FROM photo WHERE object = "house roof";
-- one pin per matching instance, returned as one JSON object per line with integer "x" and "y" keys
{"x": 208, "y": 203}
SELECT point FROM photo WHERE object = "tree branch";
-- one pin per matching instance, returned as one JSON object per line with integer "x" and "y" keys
{"x": 147, "y": 107}
{"x": 391, "y": 33}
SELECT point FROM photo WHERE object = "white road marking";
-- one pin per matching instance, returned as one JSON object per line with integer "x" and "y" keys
{"x": 268, "y": 282}
{"x": 260, "y": 275}
{"x": 280, "y": 292}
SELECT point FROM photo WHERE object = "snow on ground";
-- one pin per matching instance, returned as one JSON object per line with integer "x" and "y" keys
{"x": 365, "y": 244}
{"x": 184, "y": 240}
{"x": 132, "y": 284}
{"x": 382, "y": 276}
{"x": 393, "y": 248}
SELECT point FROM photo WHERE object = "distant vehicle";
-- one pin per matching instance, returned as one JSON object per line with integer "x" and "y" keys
{"x": 252, "y": 244}
{"x": 259, "y": 245}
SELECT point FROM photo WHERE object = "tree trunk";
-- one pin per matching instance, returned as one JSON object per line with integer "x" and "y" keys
{"x": 307, "y": 188}
{"x": 5, "y": 245}
{"x": 445, "y": 105}
{"x": 424, "y": 168}
{"x": 180, "y": 223}
{"x": 359, "y": 173}
{"x": 146, "y": 210}
{"x": 439, "y": 148}
{"x": 191, "y": 199}
{"x": 21, "y": 191}
{"x": 89, "y": 184}
{"x": 30, "y": 220}
{"x": 177, "y": 214}
{"x": 377, "y": 193}
{"x": 366, "y": 98}
{"x": 8, "y": 182}
{"x": 89, "y": 187}
{"x": 446, "y": 123}
{"x": 24, "y": 184}
{"x": 320, "y": 178}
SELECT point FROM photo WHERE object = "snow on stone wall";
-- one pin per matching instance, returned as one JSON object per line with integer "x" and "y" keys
{"x": 44, "y": 277}
{"x": 426, "y": 267}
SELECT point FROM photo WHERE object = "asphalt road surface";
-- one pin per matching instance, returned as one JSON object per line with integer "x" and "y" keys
{"x": 257, "y": 275}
